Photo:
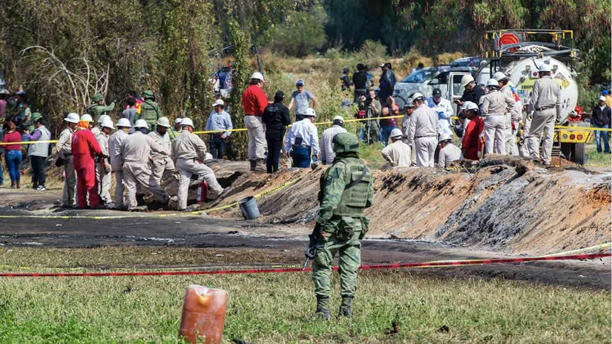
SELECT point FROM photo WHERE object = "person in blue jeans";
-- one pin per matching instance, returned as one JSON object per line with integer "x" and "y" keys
{"x": 13, "y": 153}
{"x": 601, "y": 119}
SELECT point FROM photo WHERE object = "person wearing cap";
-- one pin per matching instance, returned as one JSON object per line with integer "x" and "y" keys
{"x": 371, "y": 105}
{"x": 98, "y": 128}
{"x": 472, "y": 92}
{"x": 514, "y": 116}
{"x": 135, "y": 153}
{"x": 387, "y": 81}
{"x": 302, "y": 141}
{"x": 85, "y": 150}
{"x": 12, "y": 153}
{"x": 254, "y": 102}
{"x": 114, "y": 149}
{"x": 545, "y": 102}
{"x": 495, "y": 108}
{"x": 424, "y": 132}
{"x": 601, "y": 119}
{"x": 219, "y": 119}
{"x": 443, "y": 108}
{"x": 149, "y": 110}
{"x": 64, "y": 152}
{"x": 103, "y": 167}
{"x": 161, "y": 162}
{"x": 276, "y": 118}
{"x": 448, "y": 151}
{"x": 301, "y": 99}
{"x": 397, "y": 153}
{"x": 174, "y": 132}
{"x": 38, "y": 152}
{"x": 473, "y": 137}
{"x": 97, "y": 108}
{"x": 327, "y": 146}
{"x": 345, "y": 80}
{"x": 189, "y": 154}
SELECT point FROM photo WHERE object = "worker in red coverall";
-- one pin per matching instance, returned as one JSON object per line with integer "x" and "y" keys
{"x": 254, "y": 101}
{"x": 473, "y": 137}
{"x": 85, "y": 149}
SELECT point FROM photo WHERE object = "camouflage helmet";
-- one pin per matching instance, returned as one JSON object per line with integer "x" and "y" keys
{"x": 97, "y": 97}
{"x": 345, "y": 142}
{"x": 148, "y": 94}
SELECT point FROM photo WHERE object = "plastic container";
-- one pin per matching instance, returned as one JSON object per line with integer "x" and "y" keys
{"x": 248, "y": 207}
{"x": 203, "y": 315}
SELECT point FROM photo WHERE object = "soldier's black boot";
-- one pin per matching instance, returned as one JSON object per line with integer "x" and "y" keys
{"x": 322, "y": 311}
{"x": 345, "y": 306}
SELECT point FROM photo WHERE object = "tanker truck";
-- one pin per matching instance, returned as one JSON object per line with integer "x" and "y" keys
{"x": 515, "y": 53}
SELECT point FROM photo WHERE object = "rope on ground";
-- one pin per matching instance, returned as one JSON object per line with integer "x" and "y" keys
{"x": 291, "y": 270}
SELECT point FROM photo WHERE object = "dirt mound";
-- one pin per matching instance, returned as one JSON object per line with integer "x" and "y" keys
{"x": 506, "y": 203}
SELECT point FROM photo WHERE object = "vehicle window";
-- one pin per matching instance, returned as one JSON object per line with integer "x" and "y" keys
{"x": 457, "y": 91}
{"x": 419, "y": 76}
{"x": 442, "y": 78}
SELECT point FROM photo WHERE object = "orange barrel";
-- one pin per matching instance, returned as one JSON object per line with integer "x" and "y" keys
{"x": 203, "y": 315}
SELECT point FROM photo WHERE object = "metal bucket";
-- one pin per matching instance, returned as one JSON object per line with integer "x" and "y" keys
{"x": 248, "y": 207}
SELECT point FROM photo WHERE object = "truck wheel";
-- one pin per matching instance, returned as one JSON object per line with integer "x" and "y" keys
{"x": 574, "y": 152}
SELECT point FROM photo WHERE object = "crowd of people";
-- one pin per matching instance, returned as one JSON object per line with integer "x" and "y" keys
{"x": 143, "y": 148}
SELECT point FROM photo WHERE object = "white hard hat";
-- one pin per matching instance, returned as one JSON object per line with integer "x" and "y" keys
{"x": 219, "y": 102}
{"x": 544, "y": 67}
{"x": 396, "y": 133}
{"x": 409, "y": 102}
{"x": 124, "y": 122}
{"x": 602, "y": 98}
{"x": 72, "y": 118}
{"x": 492, "y": 82}
{"x": 257, "y": 76}
{"x": 417, "y": 96}
{"x": 310, "y": 113}
{"x": 141, "y": 123}
{"x": 465, "y": 80}
{"x": 108, "y": 123}
{"x": 499, "y": 76}
{"x": 86, "y": 118}
{"x": 164, "y": 122}
{"x": 103, "y": 118}
{"x": 444, "y": 137}
{"x": 178, "y": 120}
{"x": 470, "y": 106}
{"x": 187, "y": 121}
{"x": 338, "y": 118}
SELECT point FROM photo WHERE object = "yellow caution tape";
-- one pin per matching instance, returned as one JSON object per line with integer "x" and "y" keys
{"x": 586, "y": 249}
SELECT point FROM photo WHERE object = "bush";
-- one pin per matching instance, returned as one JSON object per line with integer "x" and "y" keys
{"x": 372, "y": 49}
{"x": 301, "y": 34}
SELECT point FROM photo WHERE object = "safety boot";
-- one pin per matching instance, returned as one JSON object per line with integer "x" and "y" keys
{"x": 322, "y": 311}
{"x": 345, "y": 306}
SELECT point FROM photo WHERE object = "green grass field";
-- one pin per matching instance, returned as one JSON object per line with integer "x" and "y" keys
{"x": 275, "y": 308}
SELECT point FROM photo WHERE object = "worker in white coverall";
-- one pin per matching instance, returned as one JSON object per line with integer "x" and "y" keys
{"x": 448, "y": 151}
{"x": 495, "y": 107}
{"x": 514, "y": 117}
{"x": 64, "y": 151}
{"x": 135, "y": 155}
{"x": 327, "y": 146}
{"x": 114, "y": 149}
{"x": 423, "y": 131}
{"x": 98, "y": 128}
{"x": 409, "y": 108}
{"x": 189, "y": 153}
{"x": 103, "y": 167}
{"x": 545, "y": 102}
{"x": 161, "y": 162}
{"x": 397, "y": 153}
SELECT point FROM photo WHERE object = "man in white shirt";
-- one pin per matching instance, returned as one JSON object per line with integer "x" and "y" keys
{"x": 327, "y": 147}
{"x": 302, "y": 141}
{"x": 397, "y": 153}
{"x": 448, "y": 151}
{"x": 443, "y": 108}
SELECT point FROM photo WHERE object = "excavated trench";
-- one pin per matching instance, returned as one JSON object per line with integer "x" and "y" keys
{"x": 503, "y": 203}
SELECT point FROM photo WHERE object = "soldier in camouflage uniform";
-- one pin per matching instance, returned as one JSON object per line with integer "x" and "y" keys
{"x": 346, "y": 190}
{"x": 149, "y": 110}
{"x": 98, "y": 108}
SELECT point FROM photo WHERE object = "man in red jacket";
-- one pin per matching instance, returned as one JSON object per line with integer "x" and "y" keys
{"x": 85, "y": 149}
{"x": 254, "y": 101}
{"x": 473, "y": 138}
